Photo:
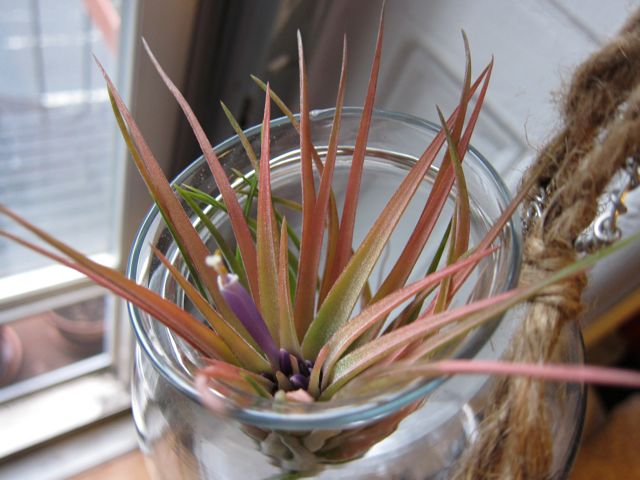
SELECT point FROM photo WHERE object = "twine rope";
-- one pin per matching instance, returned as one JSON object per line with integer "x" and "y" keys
{"x": 601, "y": 129}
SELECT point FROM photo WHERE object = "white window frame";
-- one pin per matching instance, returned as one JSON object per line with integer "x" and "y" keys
{"x": 91, "y": 391}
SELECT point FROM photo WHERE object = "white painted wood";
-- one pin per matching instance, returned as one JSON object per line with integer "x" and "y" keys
{"x": 536, "y": 45}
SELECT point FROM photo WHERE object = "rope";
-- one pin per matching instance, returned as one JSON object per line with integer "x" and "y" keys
{"x": 601, "y": 129}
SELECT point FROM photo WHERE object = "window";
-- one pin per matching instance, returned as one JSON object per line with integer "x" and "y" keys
{"x": 76, "y": 182}
{"x": 54, "y": 113}
{"x": 62, "y": 170}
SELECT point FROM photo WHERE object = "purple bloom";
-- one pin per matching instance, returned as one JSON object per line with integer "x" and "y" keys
{"x": 240, "y": 301}
{"x": 285, "y": 362}
{"x": 299, "y": 381}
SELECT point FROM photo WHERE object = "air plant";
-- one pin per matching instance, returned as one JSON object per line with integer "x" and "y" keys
{"x": 278, "y": 305}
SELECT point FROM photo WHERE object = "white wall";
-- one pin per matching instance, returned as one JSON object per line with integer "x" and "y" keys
{"x": 536, "y": 45}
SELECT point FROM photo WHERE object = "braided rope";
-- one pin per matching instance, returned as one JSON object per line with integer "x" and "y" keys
{"x": 601, "y": 117}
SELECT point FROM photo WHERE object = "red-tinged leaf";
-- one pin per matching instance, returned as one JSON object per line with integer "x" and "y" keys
{"x": 265, "y": 234}
{"x": 186, "y": 237}
{"x": 364, "y": 357}
{"x": 344, "y": 294}
{"x": 524, "y": 294}
{"x": 288, "y": 337}
{"x": 307, "y": 272}
{"x": 333, "y": 227}
{"x": 461, "y": 226}
{"x": 463, "y": 209}
{"x": 465, "y": 97}
{"x": 179, "y": 321}
{"x": 499, "y": 224}
{"x": 236, "y": 217}
{"x": 411, "y": 311}
{"x": 547, "y": 371}
{"x": 247, "y": 355}
{"x": 316, "y": 372}
{"x": 347, "y": 222}
{"x": 251, "y": 154}
{"x": 376, "y": 312}
{"x": 278, "y": 101}
{"x": 385, "y": 377}
{"x": 333, "y": 221}
{"x": 240, "y": 378}
{"x": 436, "y": 201}
{"x": 265, "y": 382}
{"x": 229, "y": 377}
{"x": 312, "y": 236}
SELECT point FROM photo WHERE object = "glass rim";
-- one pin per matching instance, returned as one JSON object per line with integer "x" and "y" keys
{"x": 332, "y": 414}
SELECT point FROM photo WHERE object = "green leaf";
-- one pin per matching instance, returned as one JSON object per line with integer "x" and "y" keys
{"x": 288, "y": 337}
{"x": 442, "y": 300}
{"x": 249, "y": 194}
{"x": 463, "y": 209}
{"x": 502, "y": 220}
{"x": 461, "y": 229}
{"x": 221, "y": 243}
{"x": 259, "y": 389}
{"x": 251, "y": 154}
{"x": 278, "y": 101}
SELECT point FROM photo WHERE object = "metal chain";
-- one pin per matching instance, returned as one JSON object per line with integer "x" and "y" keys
{"x": 604, "y": 230}
{"x": 535, "y": 209}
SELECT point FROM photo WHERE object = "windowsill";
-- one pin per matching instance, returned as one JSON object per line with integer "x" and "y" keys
{"x": 75, "y": 453}
{"x": 30, "y": 421}
{"x": 128, "y": 466}
{"x": 18, "y": 291}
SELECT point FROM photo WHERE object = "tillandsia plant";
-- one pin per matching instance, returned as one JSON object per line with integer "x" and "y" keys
{"x": 275, "y": 306}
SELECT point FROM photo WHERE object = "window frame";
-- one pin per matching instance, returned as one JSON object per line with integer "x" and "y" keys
{"x": 91, "y": 391}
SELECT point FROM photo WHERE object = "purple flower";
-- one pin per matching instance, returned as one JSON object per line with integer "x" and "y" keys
{"x": 241, "y": 303}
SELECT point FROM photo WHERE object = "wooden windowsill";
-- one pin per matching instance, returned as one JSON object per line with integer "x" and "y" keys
{"x": 127, "y": 467}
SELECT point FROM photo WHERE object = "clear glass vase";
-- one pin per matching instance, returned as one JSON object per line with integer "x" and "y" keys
{"x": 416, "y": 430}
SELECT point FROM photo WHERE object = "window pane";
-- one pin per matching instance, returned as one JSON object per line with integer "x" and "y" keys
{"x": 53, "y": 346}
{"x": 56, "y": 128}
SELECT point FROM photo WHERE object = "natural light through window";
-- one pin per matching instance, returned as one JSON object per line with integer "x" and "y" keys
{"x": 61, "y": 170}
